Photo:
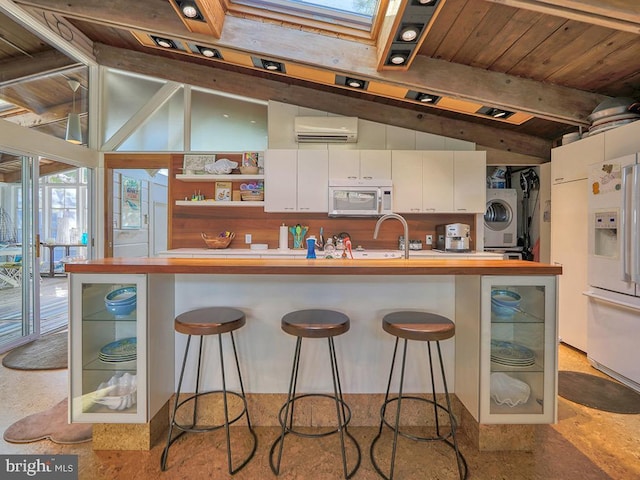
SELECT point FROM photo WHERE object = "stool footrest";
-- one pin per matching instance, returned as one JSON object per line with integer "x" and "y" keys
{"x": 209, "y": 428}
{"x": 276, "y": 469}
{"x": 418, "y": 438}
{"x": 290, "y": 403}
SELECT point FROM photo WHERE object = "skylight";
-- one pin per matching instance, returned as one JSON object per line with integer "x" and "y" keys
{"x": 352, "y": 13}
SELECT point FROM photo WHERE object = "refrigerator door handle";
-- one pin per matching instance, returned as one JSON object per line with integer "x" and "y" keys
{"x": 635, "y": 237}
{"x": 625, "y": 229}
{"x": 611, "y": 301}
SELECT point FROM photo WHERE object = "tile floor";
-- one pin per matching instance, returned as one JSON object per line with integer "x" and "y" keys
{"x": 585, "y": 444}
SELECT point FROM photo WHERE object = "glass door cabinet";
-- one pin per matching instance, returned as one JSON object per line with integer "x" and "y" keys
{"x": 108, "y": 348}
{"x": 518, "y": 350}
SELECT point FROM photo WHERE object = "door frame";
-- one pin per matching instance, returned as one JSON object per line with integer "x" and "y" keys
{"x": 124, "y": 161}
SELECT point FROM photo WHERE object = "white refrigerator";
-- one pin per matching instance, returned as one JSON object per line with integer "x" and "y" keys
{"x": 613, "y": 270}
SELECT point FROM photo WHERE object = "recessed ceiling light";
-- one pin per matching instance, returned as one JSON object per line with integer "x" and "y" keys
{"x": 409, "y": 33}
{"x": 163, "y": 42}
{"x": 427, "y": 98}
{"x": 189, "y": 10}
{"x": 272, "y": 66}
{"x": 422, "y": 97}
{"x": 208, "y": 52}
{"x": 351, "y": 82}
{"x": 426, "y": 2}
{"x": 397, "y": 58}
{"x": 496, "y": 113}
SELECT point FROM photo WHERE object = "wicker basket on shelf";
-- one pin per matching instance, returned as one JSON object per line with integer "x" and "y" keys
{"x": 221, "y": 241}
{"x": 252, "y": 196}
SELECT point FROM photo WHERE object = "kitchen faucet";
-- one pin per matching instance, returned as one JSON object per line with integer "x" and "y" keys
{"x": 404, "y": 224}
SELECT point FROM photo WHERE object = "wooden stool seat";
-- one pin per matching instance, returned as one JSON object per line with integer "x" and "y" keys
{"x": 315, "y": 323}
{"x": 210, "y": 321}
{"x": 421, "y": 326}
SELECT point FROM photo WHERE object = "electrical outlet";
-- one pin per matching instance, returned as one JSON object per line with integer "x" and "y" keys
{"x": 428, "y": 239}
{"x": 247, "y": 238}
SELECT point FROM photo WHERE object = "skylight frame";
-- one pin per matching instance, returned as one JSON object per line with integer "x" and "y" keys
{"x": 306, "y": 9}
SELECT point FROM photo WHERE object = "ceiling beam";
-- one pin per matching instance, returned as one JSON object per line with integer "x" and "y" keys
{"x": 37, "y": 65}
{"x": 551, "y": 102}
{"x": 623, "y": 15}
{"x": 412, "y": 117}
{"x": 53, "y": 29}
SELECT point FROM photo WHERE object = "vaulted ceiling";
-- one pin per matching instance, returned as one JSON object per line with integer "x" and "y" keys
{"x": 549, "y": 63}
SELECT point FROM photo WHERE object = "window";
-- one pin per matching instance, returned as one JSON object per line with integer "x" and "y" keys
{"x": 357, "y": 14}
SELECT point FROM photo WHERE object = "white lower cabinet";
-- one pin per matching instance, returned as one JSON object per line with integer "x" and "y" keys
{"x": 515, "y": 379}
{"x": 116, "y": 332}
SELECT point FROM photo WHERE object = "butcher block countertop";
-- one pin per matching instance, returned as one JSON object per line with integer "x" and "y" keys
{"x": 267, "y": 266}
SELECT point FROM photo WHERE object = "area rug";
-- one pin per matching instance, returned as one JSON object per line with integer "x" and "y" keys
{"x": 597, "y": 392}
{"x": 50, "y": 424}
{"x": 46, "y": 353}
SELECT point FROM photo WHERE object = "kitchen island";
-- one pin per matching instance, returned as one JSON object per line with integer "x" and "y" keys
{"x": 364, "y": 289}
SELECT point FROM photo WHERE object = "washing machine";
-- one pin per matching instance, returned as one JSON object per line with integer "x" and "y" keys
{"x": 501, "y": 218}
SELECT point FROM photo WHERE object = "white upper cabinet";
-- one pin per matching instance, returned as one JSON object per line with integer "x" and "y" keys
{"x": 571, "y": 162}
{"x": 313, "y": 181}
{"x": 375, "y": 164}
{"x": 281, "y": 180}
{"x": 344, "y": 164}
{"x": 296, "y": 181}
{"x": 621, "y": 141}
{"x": 356, "y": 164}
{"x": 406, "y": 174}
{"x": 439, "y": 181}
{"x": 469, "y": 173}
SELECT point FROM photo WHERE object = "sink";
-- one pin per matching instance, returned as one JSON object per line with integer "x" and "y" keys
{"x": 370, "y": 254}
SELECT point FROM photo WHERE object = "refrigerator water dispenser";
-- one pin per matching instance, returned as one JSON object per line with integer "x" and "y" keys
{"x": 606, "y": 234}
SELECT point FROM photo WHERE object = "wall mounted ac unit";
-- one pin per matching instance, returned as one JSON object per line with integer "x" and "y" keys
{"x": 326, "y": 129}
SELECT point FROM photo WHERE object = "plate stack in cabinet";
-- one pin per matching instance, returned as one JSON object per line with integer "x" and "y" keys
{"x": 110, "y": 347}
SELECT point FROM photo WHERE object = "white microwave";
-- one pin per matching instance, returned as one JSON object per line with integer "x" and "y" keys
{"x": 360, "y": 197}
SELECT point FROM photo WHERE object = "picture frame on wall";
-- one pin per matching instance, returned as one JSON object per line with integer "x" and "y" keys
{"x": 197, "y": 164}
{"x": 131, "y": 203}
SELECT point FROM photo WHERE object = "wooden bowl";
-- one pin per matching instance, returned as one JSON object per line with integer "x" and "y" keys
{"x": 218, "y": 242}
{"x": 246, "y": 170}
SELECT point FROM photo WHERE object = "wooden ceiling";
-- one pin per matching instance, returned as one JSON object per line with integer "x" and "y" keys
{"x": 550, "y": 61}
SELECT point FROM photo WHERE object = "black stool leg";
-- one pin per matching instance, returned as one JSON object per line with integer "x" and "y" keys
{"x": 288, "y": 406}
{"x": 227, "y": 423}
{"x": 383, "y": 411}
{"x": 226, "y": 406}
{"x": 165, "y": 453}
{"x": 397, "y": 423}
{"x": 459, "y": 458}
{"x": 341, "y": 412}
{"x": 433, "y": 389}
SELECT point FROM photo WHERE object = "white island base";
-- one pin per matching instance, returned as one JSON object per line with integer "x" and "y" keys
{"x": 364, "y": 352}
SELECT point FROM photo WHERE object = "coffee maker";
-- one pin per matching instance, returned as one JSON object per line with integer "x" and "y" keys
{"x": 453, "y": 237}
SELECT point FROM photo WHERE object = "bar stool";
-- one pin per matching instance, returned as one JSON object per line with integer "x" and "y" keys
{"x": 422, "y": 327}
{"x": 203, "y": 322}
{"x": 315, "y": 323}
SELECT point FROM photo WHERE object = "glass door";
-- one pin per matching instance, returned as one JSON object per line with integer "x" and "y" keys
{"x": 19, "y": 250}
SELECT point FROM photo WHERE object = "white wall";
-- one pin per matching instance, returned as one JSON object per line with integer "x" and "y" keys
{"x": 371, "y": 135}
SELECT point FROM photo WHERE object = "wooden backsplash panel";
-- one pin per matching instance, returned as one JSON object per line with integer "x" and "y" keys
{"x": 187, "y": 222}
